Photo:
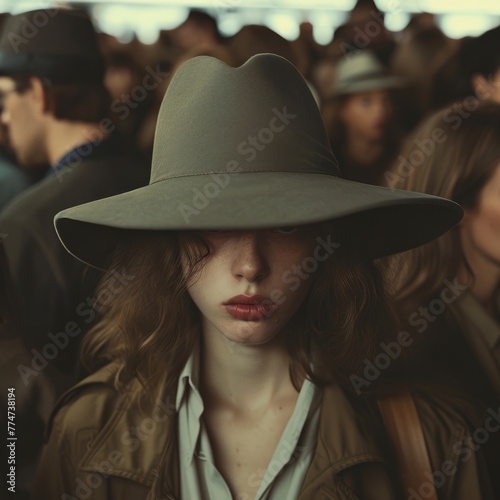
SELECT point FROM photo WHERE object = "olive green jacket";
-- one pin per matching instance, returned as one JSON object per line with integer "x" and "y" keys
{"x": 100, "y": 447}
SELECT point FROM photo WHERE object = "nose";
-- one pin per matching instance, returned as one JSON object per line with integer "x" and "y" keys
{"x": 250, "y": 260}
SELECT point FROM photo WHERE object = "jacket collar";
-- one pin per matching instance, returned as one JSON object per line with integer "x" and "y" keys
{"x": 141, "y": 445}
{"x": 136, "y": 442}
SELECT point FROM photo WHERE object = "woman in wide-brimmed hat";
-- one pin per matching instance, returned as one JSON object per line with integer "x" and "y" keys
{"x": 360, "y": 117}
{"x": 239, "y": 309}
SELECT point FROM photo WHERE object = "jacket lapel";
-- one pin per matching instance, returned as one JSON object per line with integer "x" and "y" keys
{"x": 139, "y": 445}
{"x": 142, "y": 446}
{"x": 343, "y": 442}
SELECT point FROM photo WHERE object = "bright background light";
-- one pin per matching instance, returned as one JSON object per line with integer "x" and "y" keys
{"x": 460, "y": 6}
{"x": 460, "y": 25}
{"x": 145, "y": 18}
{"x": 285, "y": 23}
{"x": 145, "y": 21}
{"x": 396, "y": 21}
{"x": 325, "y": 24}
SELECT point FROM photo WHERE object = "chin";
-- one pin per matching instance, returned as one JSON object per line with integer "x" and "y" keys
{"x": 249, "y": 336}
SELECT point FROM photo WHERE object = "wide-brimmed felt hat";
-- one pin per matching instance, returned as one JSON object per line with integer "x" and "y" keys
{"x": 246, "y": 148}
{"x": 362, "y": 71}
{"x": 57, "y": 44}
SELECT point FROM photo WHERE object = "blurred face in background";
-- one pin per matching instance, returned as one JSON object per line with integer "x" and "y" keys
{"x": 368, "y": 114}
{"x": 480, "y": 227}
{"x": 120, "y": 80}
{"x": 22, "y": 112}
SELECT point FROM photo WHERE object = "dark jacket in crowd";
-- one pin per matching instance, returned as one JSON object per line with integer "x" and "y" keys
{"x": 55, "y": 291}
{"x": 13, "y": 181}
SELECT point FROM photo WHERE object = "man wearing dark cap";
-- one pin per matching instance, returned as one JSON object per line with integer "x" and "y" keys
{"x": 55, "y": 105}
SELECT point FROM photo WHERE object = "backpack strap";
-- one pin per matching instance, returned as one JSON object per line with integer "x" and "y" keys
{"x": 405, "y": 433}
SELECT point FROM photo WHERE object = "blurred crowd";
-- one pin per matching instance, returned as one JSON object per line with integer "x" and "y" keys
{"x": 410, "y": 110}
{"x": 368, "y": 104}
{"x": 373, "y": 86}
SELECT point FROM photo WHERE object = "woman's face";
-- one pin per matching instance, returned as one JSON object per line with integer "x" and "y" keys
{"x": 367, "y": 114}
{"x": 480, "y": 227}
{"x": 253, "y": 282}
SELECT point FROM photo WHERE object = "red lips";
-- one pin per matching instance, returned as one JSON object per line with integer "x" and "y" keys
{"x": 252, "y": 299}
{"x": 250, "y": 308}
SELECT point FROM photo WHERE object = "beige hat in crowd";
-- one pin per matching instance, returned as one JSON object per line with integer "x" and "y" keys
{"x": 361, "y": 72}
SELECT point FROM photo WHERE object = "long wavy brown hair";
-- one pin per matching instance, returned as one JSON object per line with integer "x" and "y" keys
{"x": 462, "y": 151}
{"x": 152, "y": 325}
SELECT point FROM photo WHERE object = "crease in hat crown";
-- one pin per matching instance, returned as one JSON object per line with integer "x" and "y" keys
{"x": 210, "y": 109}
{"x": 58, "y": 44}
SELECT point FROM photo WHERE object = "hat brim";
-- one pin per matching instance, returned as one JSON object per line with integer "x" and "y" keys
{"x": 377, "y": 220}
{"x": 382, "y": 83}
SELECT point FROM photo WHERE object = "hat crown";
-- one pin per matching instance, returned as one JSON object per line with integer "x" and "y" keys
{"x": 358, "y": 66}
{"x": 259, "y": 117}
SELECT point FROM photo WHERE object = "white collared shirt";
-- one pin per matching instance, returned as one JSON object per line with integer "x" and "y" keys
{"x": 200, "y": 479}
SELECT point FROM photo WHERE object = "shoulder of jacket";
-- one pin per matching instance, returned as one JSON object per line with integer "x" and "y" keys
{"x": 89, "y": 403}
{"x": 445, "y": 426}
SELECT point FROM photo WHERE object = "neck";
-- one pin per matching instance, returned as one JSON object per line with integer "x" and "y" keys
{"x": 243, "y": 377}
{"x": 64, "y": 135}
{"x": 363, "y": 150}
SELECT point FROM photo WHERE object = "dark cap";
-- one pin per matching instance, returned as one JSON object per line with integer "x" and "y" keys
{"x": 58, "y": 44}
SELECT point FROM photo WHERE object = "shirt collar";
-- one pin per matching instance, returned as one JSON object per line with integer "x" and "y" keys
{"x": 189, "y": 405}
{"x": 189, "y": 377}
{"x": 343, "y": 439}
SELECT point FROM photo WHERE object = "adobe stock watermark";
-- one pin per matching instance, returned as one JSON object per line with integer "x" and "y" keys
{"x": 30, "y": 28}
{"x": 391, "y": 351}
{"x": 363, "y": 37}
{"x": 287, "y": 453}
{"x": 372, "y": 29}
{"x": 131, "y": 440}
{"x": 152, "y": 78}
{"x": 248, "y": 149}
{"x": 487, "y": 89}
{"x": 293, "y": 277}
{"x": 463, "y": 450}
{"x": 122, "y": 107}
{"x": 60, "y": 340}
{"x": 424, "y": 148}
{"x": 288, "y": 450}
